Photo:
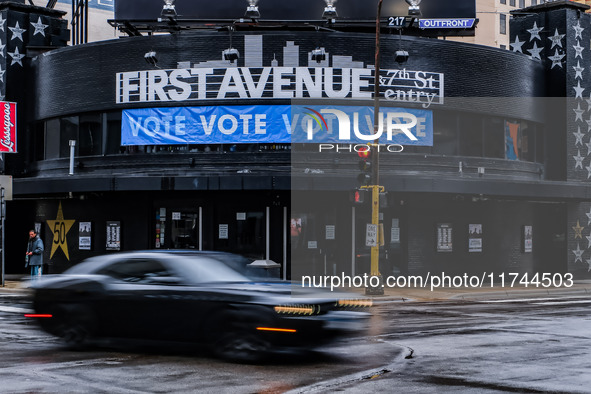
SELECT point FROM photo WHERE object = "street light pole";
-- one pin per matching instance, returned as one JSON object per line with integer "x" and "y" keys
{"x": 375, "y": 162}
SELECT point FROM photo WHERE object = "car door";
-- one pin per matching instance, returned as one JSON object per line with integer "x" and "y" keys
{"x": 144, "y": 299}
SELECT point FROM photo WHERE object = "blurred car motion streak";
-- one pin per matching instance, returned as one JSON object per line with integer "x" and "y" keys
{"x": 195, "y": 297}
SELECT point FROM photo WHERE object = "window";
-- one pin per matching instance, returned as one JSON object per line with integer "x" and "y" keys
{"x": 503, "y": 1}
{"x": 503, "y": 25}
{"x": 68, "y": 131}
{"x": 503, "y": 46}
{"x": 135, "y": 271}
{"x": 113, "y": 143}
{"x": 521, "y": 3}
{"x": 512, "y": 3}
{"x": 38, "y": 143}
{"x": 494, "y": 138}
{"x": 528, "y": 142}
{"x": 471, "y": 136}
{"x": 539, "y": 144}
{"x": 90, "y": 135}
{"x": 52, "y": 139}
{"x": 445, "y": 133}
{"x": 534, "y": 2}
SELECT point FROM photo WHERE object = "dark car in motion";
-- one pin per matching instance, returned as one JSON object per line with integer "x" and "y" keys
{"x": 194, "y": 297}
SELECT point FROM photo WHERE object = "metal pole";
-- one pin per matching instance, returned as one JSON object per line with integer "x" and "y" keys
{"x": 85, "y": 21}
{"x": 352, "y": 241}
{"x": 375, "y": 189}
{"x": 200, "y": 228}
{"x": 72, "y": 152}
{"x": 268, "y": 234}
{"x": 285, "y": 227}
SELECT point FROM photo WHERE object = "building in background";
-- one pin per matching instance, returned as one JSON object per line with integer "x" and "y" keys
{"x": 99, "y": 12}
{"x": 494, "y": 18}
{"x": 184, "y": 141}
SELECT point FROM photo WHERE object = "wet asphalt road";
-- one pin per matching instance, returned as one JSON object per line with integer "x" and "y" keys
{"x": 537, "y": 345}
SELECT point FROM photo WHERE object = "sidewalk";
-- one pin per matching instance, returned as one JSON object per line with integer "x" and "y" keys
{"x": 580, "y": 288}
{"x": 15, "y": 284}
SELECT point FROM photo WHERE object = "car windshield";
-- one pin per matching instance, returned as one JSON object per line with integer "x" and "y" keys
{"x": 199, "y": 269}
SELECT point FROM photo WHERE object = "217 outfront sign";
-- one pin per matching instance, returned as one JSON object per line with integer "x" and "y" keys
{"x": 8, "y": 136}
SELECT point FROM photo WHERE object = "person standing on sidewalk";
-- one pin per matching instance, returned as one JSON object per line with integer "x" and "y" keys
{"x": 34, "y": 256}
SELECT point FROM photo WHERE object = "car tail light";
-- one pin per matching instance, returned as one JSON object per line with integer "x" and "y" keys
{"x": 291, "y": 330}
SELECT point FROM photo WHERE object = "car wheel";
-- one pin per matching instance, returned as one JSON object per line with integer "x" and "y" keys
{"x": 242, "y": 346}
{"x": 77, "y": 327}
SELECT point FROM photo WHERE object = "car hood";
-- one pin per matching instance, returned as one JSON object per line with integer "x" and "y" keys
{"x": 290, "y": 291}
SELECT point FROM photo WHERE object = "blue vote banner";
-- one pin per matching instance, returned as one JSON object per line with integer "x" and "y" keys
{"x": 274, "y": 124}
{"x": 206, "y": 125}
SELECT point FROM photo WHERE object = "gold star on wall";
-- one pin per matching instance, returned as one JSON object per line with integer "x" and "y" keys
{"x": 60, "y": 227}
{"x": 578, "y": 230}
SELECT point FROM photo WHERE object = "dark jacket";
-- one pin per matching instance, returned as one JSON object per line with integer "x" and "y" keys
{"x": 35, "y": 245}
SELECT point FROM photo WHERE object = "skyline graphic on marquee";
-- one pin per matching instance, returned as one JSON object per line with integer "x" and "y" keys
{"x": 253, "y": 57}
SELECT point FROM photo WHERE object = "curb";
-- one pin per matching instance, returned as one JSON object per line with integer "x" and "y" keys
{"x": 420, "y": 295}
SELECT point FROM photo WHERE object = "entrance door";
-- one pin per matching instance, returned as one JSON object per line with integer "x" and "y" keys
{"x": 241, "y": 231}
{"x": 184, "y": 232}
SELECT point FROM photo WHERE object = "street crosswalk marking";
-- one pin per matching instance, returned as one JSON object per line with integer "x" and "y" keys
{"x": 14, "y": 309}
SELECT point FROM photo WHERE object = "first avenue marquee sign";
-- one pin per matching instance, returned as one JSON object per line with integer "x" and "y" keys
{"x": 196, "y": 84}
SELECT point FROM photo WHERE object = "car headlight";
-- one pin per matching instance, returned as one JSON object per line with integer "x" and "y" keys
{"x": 297, "y": 309}
{"x": 355, "y": 303}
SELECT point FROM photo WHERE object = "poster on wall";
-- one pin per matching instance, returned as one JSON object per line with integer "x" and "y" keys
{"x": 475, "y": 238}
{"x": 527, "y": 239}
{"x": 395, "y": 231}
{"x": 113, "y": 236}
{"x": 84, "y": 235}
{"x": 330, "y": 232}
{"x": 444, "y": 237}
{"x": 223, "y": 231}
{"x": 512, "y": 140}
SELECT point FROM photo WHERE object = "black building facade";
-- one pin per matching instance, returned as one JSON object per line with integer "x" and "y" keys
{"x": 503, "y": 187}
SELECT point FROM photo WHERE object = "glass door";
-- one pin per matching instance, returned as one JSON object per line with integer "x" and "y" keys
{"x": 184, "y": 231}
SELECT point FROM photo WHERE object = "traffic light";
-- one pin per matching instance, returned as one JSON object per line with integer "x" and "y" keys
{"x": 358, "y": 196}
{"x": 364, "y": 177}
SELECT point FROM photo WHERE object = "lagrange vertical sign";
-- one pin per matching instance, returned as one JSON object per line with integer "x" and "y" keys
{"x": 8, "y": 137}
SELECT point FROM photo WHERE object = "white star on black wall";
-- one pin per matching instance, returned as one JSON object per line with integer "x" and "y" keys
{"x": 579, "y": 113}
{"x": 535, "y": 51}
{"x": 39, "y": 27}
{"x": 579, "y": 137}
{"x": 517, "y": 45}
{"x": 556, "y": 39}
{"x": 17, "y": 32}
{"x": 579, "y": 70}
{"x": 578, "y": 160}
{"x": 535, "y": 32}
{"x": 579, "y": 90}
{"x": 578, "y": 30}
{"x": 556, "y": 59}
{"x": 16, "y": 56}
{"x": 579, "y": 50}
